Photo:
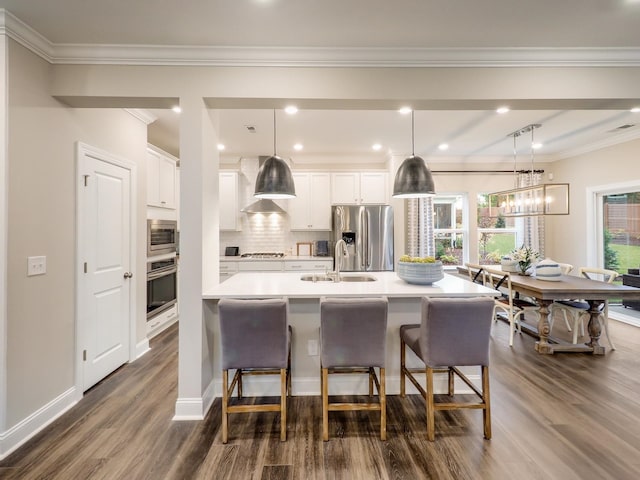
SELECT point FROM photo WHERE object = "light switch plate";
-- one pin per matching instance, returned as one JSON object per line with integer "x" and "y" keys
{"x": 312, "y": 348}
{"x": 36, "y": 266}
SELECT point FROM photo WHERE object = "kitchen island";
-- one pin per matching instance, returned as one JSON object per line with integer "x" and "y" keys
{"x": 304, "y": 316}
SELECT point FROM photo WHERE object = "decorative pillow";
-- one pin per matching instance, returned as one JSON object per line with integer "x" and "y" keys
{"x": 548, "y": 270}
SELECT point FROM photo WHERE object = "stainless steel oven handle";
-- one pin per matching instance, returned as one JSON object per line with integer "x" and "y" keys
{"x": 156, "y": 275}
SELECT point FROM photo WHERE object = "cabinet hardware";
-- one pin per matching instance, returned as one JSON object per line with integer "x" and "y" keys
{"x": 85, "y": 267}
{"x": 84, "y": 355}
{"x": 128, "y": 274}
{"x": 86, "y": 180}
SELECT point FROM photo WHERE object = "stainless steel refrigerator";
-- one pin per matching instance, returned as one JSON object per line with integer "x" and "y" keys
{"x": 368, "y": 232}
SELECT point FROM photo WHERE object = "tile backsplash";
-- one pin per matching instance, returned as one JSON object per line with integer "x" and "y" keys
{"x": 263, "y": 232}
{"x": 268, "y": 233}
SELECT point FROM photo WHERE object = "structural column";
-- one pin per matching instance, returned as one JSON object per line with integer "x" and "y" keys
{"x": 199, "y": 255}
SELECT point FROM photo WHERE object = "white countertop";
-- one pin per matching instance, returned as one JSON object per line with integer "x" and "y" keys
{"x": 288, "y": 284}
{"x": 286, "y": 258}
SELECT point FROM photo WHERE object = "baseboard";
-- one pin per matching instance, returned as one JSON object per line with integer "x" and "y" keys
{"x": 195, "y": 408}
{"x": 34, "y": 423}
{"x": 142, "y": 347}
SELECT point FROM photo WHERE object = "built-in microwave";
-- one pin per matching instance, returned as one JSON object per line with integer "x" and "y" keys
{"x": 162, "y": 237}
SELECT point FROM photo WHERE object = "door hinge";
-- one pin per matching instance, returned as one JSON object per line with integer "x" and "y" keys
{"x": 85, "y": 267}
{"x": 86, "y": 180}
{"x": 84, "y": 355}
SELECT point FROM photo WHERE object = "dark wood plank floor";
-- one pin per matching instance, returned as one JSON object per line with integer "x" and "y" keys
{"x": 567, "y": 416}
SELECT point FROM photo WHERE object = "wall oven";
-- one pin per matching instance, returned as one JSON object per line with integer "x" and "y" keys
{"x": 161, "y": 285}
{"x": 162, "y": 237}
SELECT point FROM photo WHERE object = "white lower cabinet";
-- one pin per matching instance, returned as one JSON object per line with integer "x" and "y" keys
{"x": 312, "y": 264}
{"x": 162, "y": 321}
{"x": 308, "y": 265}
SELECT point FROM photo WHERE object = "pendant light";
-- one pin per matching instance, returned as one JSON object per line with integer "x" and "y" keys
{"x": 274, "y": 176}
{"x": 532, "y": 200}
{"x": 413, "y": 179}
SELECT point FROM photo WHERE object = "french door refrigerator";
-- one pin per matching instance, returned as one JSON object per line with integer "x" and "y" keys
{"x": 368, "y": 232}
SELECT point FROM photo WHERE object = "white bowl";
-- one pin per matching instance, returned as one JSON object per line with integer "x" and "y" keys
{"x": 420, "y": 273}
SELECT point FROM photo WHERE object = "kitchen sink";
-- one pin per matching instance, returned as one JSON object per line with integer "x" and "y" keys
{"x": 343, "y": 278}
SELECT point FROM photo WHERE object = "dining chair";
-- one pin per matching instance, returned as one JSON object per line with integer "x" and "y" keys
{"x": 256, "y": 340}
{"x": 509, "y": 303}
{"x": 353, "y": 339}
{"x": 454, "y": 332}
{"x": 579, "y": 309}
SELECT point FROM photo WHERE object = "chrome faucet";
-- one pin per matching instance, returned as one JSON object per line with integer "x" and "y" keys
{"x": 340, "y": 253}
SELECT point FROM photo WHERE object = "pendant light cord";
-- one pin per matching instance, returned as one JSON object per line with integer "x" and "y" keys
{"x": 532, "y": 156}
{"x": 274, "y": 132}
{"x": 413, "y": 152}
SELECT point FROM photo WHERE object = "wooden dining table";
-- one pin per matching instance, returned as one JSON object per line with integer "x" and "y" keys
{"x": 570, "y": 287}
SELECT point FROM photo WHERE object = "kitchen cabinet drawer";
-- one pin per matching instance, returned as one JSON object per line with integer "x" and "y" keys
{"x": 309, "y": 266}
{"x": 260, "y": 266}
{"x": 228, "y": 267}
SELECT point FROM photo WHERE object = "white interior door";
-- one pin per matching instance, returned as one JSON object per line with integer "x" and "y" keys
{"x": 104, "y": 284}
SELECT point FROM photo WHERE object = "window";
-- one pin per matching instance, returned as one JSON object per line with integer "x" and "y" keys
{"x": 621, "y": 231}
{"x": 496, "y": 236}
{"x": 436, "y": 226}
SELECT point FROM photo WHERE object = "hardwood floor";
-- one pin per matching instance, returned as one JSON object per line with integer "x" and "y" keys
{"x": 566, "y": 416}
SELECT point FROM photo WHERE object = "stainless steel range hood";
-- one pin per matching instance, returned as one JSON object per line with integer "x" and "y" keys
{"x": 263, "y": 206}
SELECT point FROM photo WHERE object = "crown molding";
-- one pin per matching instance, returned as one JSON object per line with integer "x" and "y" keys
{"x": 143, "y": 115}
{"x": 592, "y": 147}
{"x": 312, "y": 57}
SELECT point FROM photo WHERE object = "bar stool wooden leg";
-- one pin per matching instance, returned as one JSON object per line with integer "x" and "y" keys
{"x": 325, "y": 405}
{"x": 239, "y": 383}
{"x": 371, "y": 374}
{"x": 486, "y": 413}
{"x": 403, "y": 349}
{"x": 225, "y": 404}
{"x": 431, "y": 421}
{"x": 383, "y": 405}
{"x": 283, "y": 404}
{"x": 451, "y": 380}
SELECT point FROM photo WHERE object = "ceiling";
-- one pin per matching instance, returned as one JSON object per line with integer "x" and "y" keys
{"x": 368, "y": 29}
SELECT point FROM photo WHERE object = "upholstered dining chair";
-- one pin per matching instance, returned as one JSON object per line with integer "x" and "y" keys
{"x": 353, "y": 335}
{"x": 256, "y": 340}
{"x": 454, "y": 332}
{"x": 578, "y": 310}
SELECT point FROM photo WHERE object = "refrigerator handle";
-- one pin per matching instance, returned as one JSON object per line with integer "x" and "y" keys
{"x": 367, "y": 260}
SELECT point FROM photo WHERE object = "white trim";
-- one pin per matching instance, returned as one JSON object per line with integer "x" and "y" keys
{"x": 621, "y": 317}
{"x": 145, "y": 116}
{"x": 196, "y": 408}
{"x": 38, "y": 420}
{"x": 615, "y": 139}
{"x": 594, "y": 243}
{"x": 191, "y": 55}
{"x": 142, "y": 348}
{"x": 4, "y": 225}
{"x": 83, "y": 149}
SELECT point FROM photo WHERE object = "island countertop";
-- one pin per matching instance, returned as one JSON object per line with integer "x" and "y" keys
{"x": 289, "y": 284}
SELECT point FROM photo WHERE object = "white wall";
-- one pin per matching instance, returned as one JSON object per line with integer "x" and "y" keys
{"x": 568, "y": 236}
{"x": 42, "y": 136}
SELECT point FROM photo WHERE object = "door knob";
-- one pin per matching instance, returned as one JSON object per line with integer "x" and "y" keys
{"x": 128, "y": 274}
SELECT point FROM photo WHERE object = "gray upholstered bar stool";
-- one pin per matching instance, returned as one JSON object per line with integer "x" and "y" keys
{"x": 353, "y": 340}
{"x": 256, "y": 340}
{"x": 454, "y": 332}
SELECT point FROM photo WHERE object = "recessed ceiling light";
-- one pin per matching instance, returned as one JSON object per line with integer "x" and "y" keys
{"x": 443, "y": 146}
{"x": 291, "y": 109}
{"x": 176, "y": 109}
{"x": 221, "y": 146}
{"x": 298, "y": 146}
{"x": 502, "y": 110}
{"x": 376, "y": 146}
{"x": 405, "y": 110}
{"x": 635, "y": 109}
{"x": 536, "y": 145}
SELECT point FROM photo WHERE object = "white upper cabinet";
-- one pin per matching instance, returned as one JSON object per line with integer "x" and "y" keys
{"x": 161, "y": 178}
{"x": 311, "y": 209}
{"x": 352, "y": 188}
{"x": 229, "y": 210}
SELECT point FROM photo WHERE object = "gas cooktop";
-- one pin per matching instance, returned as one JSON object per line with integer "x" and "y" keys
{"x": 262, "y": 255}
